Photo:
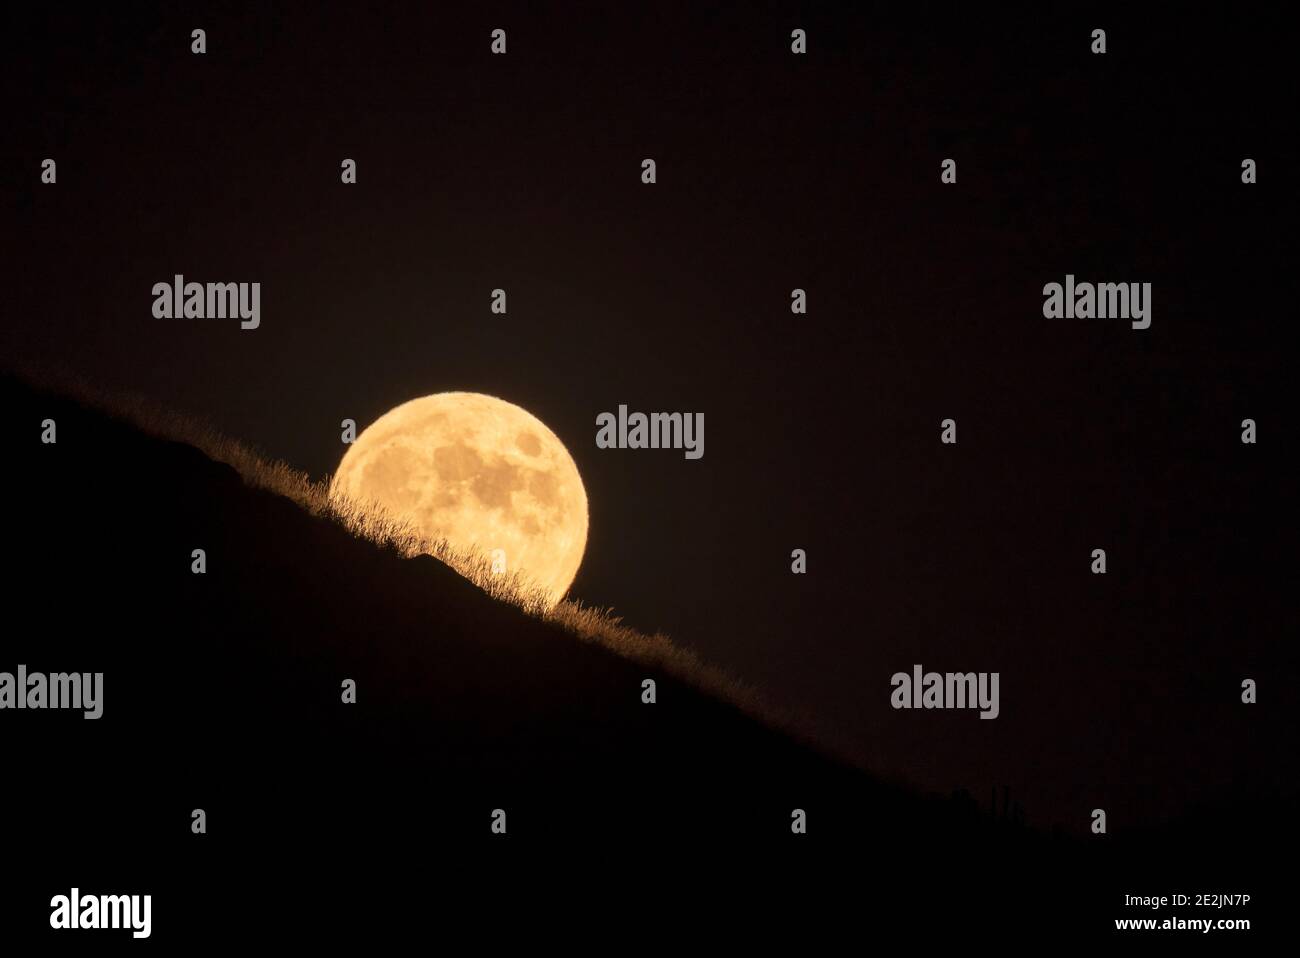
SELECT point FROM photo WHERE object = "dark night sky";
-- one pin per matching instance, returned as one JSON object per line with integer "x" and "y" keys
{"x": 822, "y": 431}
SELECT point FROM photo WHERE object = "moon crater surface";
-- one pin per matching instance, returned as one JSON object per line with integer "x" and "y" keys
{"x": 481, "y": 473}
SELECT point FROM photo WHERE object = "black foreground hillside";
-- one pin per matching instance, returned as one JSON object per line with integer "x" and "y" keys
{"x": 222, "y": 692}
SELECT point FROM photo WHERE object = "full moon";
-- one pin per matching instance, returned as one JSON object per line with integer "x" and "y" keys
{"x": 481, "y": 473}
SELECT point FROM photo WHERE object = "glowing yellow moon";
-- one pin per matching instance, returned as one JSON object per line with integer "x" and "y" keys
{"x": 481, "y": 473}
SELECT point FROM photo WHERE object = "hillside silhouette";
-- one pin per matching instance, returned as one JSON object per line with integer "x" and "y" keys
{"x": 222, "y": 692}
